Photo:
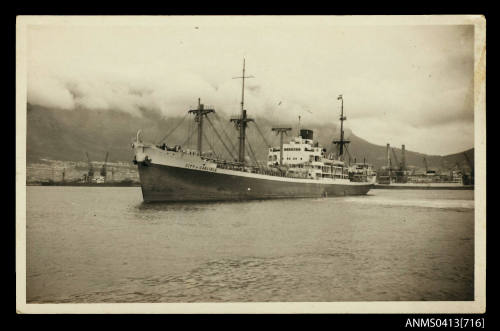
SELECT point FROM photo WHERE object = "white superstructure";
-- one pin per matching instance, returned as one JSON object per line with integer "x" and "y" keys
{"x": 307, "y": 159}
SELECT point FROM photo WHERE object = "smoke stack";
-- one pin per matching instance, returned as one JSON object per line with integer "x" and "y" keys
{"x": 404, "y": 157}
{"x": 388, "y": 156}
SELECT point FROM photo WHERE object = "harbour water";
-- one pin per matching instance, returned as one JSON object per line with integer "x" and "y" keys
{"x": 103, "y": 244}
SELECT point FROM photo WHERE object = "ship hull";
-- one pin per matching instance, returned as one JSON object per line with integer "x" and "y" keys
{"x": 167, "y": 183}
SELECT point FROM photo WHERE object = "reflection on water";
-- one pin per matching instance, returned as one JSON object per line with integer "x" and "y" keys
{"x": 106, "y": 245}
{"x": 173, "y": 206}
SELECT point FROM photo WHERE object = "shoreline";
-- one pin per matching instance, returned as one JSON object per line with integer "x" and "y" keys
{"x": 87, "y": 184}
{"x": 422, "y": 187}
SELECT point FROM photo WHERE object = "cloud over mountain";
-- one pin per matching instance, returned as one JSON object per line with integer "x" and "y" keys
{"x": 405, "y": 84}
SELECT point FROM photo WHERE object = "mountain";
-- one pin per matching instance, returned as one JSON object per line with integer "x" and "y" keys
{"x": 67, "y": 134}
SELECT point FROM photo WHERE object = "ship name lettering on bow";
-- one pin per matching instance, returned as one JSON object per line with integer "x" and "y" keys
{"x": 200, "y": 167}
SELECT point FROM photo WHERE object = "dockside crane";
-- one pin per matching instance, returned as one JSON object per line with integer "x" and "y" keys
{"x": 103, "y": 168}
{"x": 90, "y": 173}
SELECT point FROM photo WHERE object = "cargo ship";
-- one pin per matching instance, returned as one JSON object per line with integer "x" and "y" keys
{"x": 396, "y": 175}
{"x": 298, "y": 169}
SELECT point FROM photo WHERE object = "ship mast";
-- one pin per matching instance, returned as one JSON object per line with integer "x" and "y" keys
{"x": 342, "y": 142}
{"x": 241, "y": 122}
{"x": 199, "y": 113}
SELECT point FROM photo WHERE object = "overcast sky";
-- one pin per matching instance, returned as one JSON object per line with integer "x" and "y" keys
{"x": 408, "y": 85}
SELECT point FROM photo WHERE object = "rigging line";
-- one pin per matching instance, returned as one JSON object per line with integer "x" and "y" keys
{"x": 218, "y": 136}
{"x": 229, "y": 139}
{"x": 189, "y": 135}
{"x": 262, "y": 135}
{"x": 225, "y": 133}
{"x": 194, "y": 129}
{"x": 189, "y": 138}
{"x": 216, "y": 143}
{"x": 175, "y": 128}
{"x": 253, "y": 154}
{"x": 274, "y": 140}
{"x": 209, "y": 144}
{"x": 349, "y": 154}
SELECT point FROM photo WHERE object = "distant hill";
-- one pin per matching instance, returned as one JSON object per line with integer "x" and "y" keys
{"x": 66, "y": 135}
{"x": 377, "y": 155}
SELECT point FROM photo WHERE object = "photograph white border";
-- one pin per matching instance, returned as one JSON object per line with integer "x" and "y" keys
{"x": 403, "y": 307}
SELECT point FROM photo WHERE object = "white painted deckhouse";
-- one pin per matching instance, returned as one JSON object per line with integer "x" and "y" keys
{"x": 301, "y": 155}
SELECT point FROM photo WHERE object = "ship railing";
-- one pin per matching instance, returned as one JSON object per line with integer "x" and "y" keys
{"x": 259, "y": 170}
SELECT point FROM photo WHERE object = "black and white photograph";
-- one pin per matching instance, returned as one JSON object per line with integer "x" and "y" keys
{"x": 243, "y": 164}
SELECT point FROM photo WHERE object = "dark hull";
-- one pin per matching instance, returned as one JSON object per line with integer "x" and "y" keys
{"x": 164, "y": 183}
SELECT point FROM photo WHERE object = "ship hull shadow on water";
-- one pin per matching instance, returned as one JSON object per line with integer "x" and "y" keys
{"x": 168, "y": 184}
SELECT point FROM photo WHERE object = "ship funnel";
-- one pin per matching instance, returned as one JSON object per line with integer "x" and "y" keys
{"x": 306, "y": 134}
